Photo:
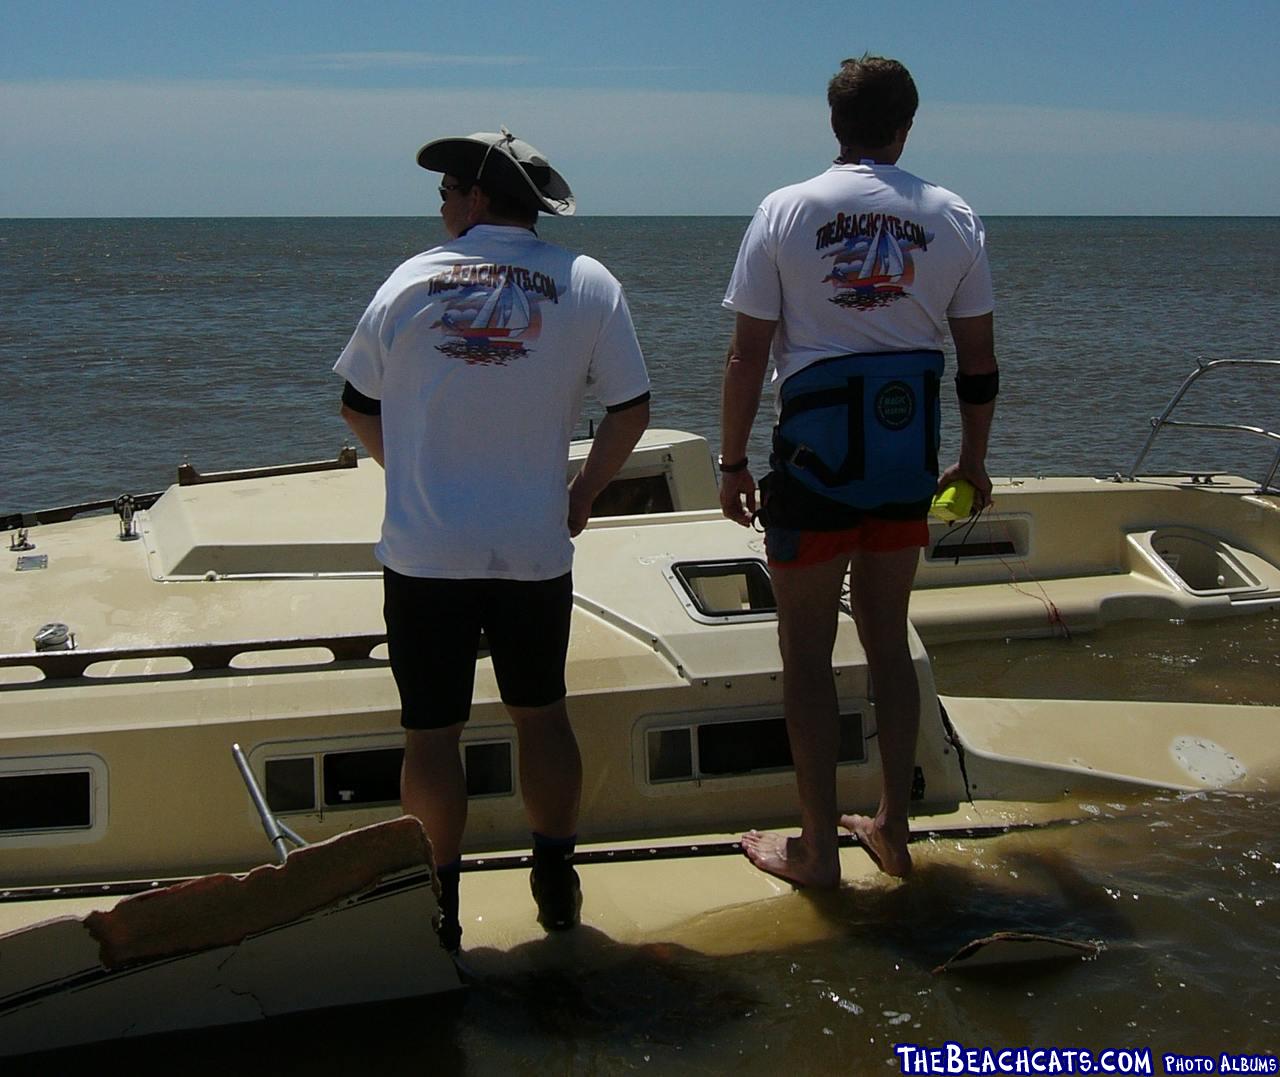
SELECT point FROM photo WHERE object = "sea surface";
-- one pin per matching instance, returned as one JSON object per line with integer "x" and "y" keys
{"x": 129, "y": 346}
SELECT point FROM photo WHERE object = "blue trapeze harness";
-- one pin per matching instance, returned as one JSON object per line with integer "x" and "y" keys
{"x": 863, "y": 429}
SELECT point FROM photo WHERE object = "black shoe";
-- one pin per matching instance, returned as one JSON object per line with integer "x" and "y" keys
{"x": 558, "y": 894}
{"x": 449, "y": 932}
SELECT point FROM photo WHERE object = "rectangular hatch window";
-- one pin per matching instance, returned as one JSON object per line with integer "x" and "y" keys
{"x": 715, "y": 592}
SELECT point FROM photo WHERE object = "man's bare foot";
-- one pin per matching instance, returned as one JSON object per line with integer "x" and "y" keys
{"x": 888, "y": 850}
{"x": 791, "y": 859}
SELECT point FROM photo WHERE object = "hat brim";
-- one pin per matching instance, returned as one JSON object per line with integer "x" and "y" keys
{"x": 463, "y": 157}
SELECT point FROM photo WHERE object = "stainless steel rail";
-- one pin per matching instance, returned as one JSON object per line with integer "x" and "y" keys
{"x": 1203, "y": 366}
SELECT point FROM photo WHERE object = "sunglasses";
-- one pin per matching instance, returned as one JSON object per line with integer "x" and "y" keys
{"x": 445, "y": 188}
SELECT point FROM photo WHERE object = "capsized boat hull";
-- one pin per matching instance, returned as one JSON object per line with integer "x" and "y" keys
{"x": 246, "y": 611}
{"x": 345, "y": 920}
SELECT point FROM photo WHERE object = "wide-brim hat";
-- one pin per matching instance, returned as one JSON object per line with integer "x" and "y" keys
{"x": 509, "y": 162}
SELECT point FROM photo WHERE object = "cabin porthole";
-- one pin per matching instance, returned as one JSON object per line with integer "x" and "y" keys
{"x": 52, "y": 800}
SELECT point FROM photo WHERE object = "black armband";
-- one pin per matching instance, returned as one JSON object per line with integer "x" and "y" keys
{"x": 643, "y": 398}
{"x": 978, "y": 388}
{"x": 357, "y": 401}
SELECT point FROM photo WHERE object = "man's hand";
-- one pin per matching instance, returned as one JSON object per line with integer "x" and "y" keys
{"x": 580, "y": 502}
{"x": 738, "y": 496}
{"x": 976, "y": 474}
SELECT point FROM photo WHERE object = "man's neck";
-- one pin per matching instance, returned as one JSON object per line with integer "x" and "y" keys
{"x": 881, "y": 155}
{"x": 503, "y": 222}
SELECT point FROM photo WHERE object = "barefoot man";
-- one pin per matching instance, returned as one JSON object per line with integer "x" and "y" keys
{"x": 852, "y": 279}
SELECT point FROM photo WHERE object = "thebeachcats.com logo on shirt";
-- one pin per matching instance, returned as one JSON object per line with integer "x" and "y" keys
{"x": 957, "y": 1059}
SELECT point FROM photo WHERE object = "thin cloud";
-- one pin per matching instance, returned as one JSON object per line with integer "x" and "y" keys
{"x": 630, "y": 67}
{"x": 162, "y": 149}
{"x": 372, "y": 61}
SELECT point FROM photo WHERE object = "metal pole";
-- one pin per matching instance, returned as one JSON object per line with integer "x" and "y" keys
{"x": 277, "y": 833}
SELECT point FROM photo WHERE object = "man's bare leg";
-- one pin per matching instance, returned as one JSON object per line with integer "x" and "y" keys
{"x": 808, "y": 611}
{"x": 434, "y": 789}
{"x": 880, "y": 587}
{"x": 550, "y": 769}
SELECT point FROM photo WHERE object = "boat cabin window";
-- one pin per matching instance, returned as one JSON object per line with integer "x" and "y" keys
{"x": 370, "y": 777}
{"x": 291, "y": 784}
{"x": 488, "y": 768}
{"x": 362, "y": 779}
{"x": 52, "y": 800}
{"x": 721, "y": 749}
{"x": 635, "y": 495}
{"x": 717, "y": 591}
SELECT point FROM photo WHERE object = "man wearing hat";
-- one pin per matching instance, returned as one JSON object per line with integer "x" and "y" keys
{"x": 464, "y": 379}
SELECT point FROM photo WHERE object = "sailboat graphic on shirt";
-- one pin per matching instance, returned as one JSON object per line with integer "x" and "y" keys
{"x": 502, "y": 319}
{"x": 872, "y": 272}
{"x": 883, "y": 265}
{"x": 488, "y": 327}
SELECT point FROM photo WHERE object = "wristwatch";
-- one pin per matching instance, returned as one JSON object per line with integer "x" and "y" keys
{"x": 728, "y": 469}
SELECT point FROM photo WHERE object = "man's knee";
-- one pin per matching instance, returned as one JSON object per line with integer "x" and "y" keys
{"x": 424, "y": 745}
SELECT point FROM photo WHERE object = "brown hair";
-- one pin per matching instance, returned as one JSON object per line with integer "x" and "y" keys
{"x": 871, "y": 100}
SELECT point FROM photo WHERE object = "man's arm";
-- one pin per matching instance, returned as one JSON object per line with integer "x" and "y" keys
{"x": 975, "y": 355}
{"x": 367, "y": 429}
{"x": 744, "y": 371}
{"x": 615, "y": 438}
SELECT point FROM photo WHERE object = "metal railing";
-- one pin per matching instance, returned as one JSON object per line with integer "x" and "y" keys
{"x": 1203, "y": 366}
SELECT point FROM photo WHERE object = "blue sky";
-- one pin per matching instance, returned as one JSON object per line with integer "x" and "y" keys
{"x": 139, "y": 108}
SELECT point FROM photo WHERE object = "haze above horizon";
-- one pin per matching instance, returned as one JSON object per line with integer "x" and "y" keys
{"x": 147, "y": 109}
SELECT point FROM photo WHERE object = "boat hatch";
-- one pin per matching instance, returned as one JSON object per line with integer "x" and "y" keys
{"x": 325, "y": 777}
{"x": 724, "y": 591}
{"x": 991, "y": 537}
{"x": 1203, "y": 565}
{"x": 720, "y": 748}
{"x": 52, "y": 800}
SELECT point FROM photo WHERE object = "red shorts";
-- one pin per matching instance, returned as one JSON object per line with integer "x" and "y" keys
{"x": 873, "y": 534}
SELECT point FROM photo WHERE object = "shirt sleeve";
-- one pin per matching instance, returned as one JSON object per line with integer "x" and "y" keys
{"x": 974, "y": 295}
{"x": 361, "y": 361}
{"x": 617, "y": 373}
{"x": 755, "y": 289}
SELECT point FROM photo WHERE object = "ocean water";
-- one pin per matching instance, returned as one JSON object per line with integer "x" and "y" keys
{"x": 131, "y": 345}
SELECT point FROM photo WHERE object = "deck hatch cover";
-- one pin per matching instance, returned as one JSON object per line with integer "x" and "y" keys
{"x": 718, "y": 591}
{"x": 49, "y": 800}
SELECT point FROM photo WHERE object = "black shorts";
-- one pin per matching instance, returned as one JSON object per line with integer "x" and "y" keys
{"x": 434, "y": 631}
{"x": 787, "y": 502}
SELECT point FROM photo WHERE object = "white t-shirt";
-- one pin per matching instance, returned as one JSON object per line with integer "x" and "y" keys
{"x": 481, "y": 351}
{"x": 862, "y": 258}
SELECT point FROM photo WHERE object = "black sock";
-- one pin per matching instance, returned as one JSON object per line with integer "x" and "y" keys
{"x": 449, "y": 876}
{"x": 553, "y": 850}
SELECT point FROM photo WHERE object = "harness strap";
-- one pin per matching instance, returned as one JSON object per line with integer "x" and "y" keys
{"x": 831, "y": 456}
